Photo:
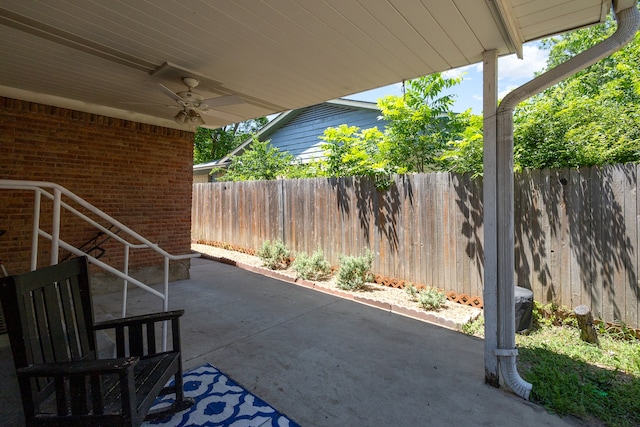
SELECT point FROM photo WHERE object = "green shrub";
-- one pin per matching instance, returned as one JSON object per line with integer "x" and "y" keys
{"x": 355, "y": 272}
{"x": 274, "y": 255}
{"x": 313, "y": 267}
{"x": 432, "y": 298}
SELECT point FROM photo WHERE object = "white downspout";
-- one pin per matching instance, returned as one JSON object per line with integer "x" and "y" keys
{"x": 628, "y": 20}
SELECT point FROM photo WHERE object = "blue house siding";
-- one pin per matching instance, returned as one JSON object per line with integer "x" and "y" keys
{"x": 301, "y": 135}
{"x": 298, "y": 132}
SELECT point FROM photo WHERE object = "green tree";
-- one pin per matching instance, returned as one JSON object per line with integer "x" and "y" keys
{"x": 260, "y": 161}
{"x": 214, "y": 144}
{"x": 464, "y": 155}
{"x": 351, "y": 151}
{"x": 591, "y": 118}
{"x": 421, "y": 123}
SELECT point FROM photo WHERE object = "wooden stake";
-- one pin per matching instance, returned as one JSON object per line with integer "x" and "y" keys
{"x": 585, "y": 323}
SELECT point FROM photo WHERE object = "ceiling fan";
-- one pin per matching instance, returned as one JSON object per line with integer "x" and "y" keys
{"x": 192, "y": 104}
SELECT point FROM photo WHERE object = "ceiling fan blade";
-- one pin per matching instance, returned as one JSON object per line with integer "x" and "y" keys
{"x": 221, "y": 115}
{"x": 149, "y": 104}
{"x": 221, "y": 101}
{"x": 171, "y": 94}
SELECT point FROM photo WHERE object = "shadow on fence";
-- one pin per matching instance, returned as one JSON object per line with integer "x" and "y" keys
{"x": 576, "y": 231}
{"x": 469, "y": 203}
{"x": 577, "y": 238}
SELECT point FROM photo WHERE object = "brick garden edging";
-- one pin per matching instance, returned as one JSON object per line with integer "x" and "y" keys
{"x": 425, "y": 316}
{"x": 460, "y": 298}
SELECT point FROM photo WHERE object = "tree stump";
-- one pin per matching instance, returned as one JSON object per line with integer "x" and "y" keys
{"x": 585, "y": 323}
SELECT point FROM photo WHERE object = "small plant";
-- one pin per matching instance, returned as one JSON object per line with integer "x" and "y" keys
{"x": 274, "y": 255}
{"x": 355, "y": 272}
{"x": 474, "y": 327}
{"x": 313, "y": 267}
{"x": 432, "y": 298}
{"x": 551, "y": 314}
{"x": 412, "y": 291}
{"x": 617, "y": 331}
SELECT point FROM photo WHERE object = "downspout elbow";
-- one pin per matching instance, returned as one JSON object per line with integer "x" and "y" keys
{"x": 512, "y": 379}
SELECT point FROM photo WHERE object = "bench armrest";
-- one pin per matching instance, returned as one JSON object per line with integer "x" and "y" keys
{"x": 138, "y": 320}
{"x": 140, "y": 335}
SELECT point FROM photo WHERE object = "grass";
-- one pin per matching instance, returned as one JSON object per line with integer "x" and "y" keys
{"x": 599, "y": 385}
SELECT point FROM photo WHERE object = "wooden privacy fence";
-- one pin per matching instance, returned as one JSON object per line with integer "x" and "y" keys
{"x": 576, "y": 231}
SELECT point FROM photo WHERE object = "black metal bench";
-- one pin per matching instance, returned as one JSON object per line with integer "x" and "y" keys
{"x": 62, "y": 382}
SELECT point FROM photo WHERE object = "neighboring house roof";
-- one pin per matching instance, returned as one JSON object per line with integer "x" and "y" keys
{"x": 298, "y": 131}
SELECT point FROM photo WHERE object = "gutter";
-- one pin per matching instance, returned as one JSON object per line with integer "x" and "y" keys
{"x": 628, "y": 22}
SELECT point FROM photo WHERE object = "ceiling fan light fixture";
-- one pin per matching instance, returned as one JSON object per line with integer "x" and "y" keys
{"x": 181, "y": 118}
{"x": 190, "y": 82}
{"x": 194, "y": 118}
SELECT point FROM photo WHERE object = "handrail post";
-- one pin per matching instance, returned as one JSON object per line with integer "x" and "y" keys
{"x": 165, "y": 303}
{"x": 55, "y": 230}
{"x": 126, "y": 282}
{"x": 40, "y": 189}
{"x": 34, "y": 231}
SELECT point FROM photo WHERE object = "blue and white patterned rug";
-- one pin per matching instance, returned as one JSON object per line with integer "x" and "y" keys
{"x": 220, "y": 401}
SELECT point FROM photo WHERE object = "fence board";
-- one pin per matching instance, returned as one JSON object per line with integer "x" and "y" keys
{"x": 577, "y": 232}
{"x": 405, "y": 230}
{"x": 458, "y": 205}
{"x": 542, "y": 285}
{"x": 616, "y": 220}
{"x": 440, "y": 248}
{"x": 635, "y": 275}
{"x": 606, "y": 202}
{"x": 451, "y": 232}
{"x": 520, "y": 230}
{"x": 630, "y": 221}
{"x": 435, "y": 248}
{"x": 564, "y": 276}
{"x": 529, "y": 238}
{"x": 597, "y": 282}
{"x": 584, "y": 267}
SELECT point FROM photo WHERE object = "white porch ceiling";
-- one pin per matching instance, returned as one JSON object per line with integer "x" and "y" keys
{"x": 106, "y": 56}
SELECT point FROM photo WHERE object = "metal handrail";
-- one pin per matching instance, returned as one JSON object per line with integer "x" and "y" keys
{"x": 56, "y": 243}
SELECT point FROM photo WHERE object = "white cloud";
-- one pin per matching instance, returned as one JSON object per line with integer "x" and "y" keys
{"x": 503, "y": 91}
{"x": 512, "y": 72}
{"x": 476, "y": 67}
{"x": 456, "y": 72}
{"x": 512, "y": 68}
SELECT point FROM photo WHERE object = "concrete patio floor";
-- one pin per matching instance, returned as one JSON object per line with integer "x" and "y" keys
{"x": 320, "y": 359}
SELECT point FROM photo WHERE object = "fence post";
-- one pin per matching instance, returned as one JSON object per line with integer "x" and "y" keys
{"x": 281, "y": 201}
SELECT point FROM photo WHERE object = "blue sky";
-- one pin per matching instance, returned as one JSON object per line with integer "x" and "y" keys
{"x": 512, "y": 72}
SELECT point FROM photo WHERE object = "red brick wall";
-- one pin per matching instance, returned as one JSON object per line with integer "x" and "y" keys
{"x": 139, "y": 174}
